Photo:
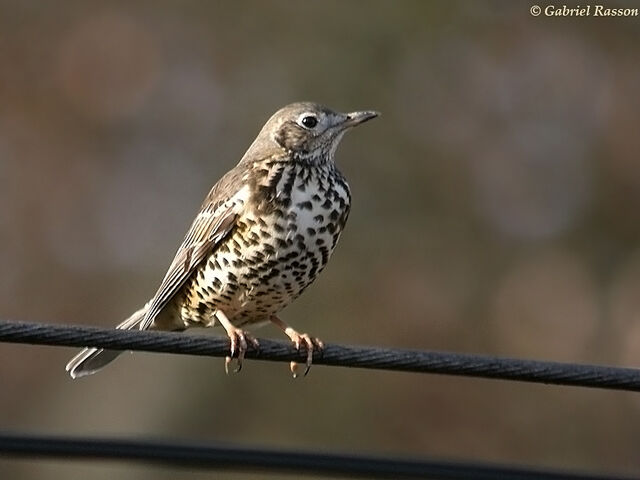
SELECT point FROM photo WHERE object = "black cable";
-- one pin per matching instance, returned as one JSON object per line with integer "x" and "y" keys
{"x": 485, "y": 366}
{"x": 268, "y": 460}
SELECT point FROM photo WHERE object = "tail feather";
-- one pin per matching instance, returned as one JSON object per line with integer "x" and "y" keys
{"x": 90, "y": 360}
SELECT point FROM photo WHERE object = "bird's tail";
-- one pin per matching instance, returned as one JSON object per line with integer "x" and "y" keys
{"x": 90, "y": 360}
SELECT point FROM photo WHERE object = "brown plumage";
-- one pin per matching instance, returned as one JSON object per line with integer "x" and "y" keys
{"x": 262, "y": 235}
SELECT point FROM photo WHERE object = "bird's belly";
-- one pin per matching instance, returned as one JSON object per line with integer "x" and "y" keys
{"x": 262, "y": 266}
{"x": 278, "y": 247}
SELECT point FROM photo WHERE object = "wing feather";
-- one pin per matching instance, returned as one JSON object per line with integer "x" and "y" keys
{"x": 215, "y": 221}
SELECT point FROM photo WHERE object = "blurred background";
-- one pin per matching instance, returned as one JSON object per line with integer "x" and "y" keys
{"x": 495, "y": 211}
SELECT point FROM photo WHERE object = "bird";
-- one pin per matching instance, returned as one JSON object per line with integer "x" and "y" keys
{"x": 263, "y": 234}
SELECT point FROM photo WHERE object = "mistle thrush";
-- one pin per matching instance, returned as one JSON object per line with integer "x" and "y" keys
{"x": 264, "y": 232}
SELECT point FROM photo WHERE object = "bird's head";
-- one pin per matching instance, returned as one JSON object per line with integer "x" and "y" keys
{"x": 308, "y": 131}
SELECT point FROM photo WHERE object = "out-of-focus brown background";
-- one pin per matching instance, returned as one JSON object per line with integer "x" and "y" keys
{"x": 495, "y": 211}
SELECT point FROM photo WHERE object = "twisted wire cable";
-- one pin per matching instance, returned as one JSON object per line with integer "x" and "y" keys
{"x": 419, "y": 361}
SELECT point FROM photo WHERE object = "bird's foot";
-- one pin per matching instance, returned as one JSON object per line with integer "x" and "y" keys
{"x": 310, "y": 344}
{"x": 239, "y": 343}
{"x": 299, "y": 339}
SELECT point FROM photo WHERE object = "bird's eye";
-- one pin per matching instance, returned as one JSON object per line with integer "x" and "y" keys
{"x": 309, "y": 121}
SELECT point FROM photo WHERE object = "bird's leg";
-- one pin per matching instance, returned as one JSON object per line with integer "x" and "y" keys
{"x": 298, "y": 340}
{"x": 238, "y": 339}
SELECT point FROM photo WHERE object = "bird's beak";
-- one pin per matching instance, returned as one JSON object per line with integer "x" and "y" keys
{"x": 356, "y": 118}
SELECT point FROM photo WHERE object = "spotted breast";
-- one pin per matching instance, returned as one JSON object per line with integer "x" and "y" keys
{"x": 294, "y": 214}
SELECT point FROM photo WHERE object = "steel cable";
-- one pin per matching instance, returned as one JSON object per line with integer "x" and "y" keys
{"x": 485, "y": 366}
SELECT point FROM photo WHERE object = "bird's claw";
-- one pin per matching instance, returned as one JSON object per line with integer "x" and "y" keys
{"x": 239, "y": 339}
{"x": 310, "y": 343}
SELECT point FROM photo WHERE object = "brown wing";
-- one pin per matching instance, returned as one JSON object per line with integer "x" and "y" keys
{"x": 216, "y": 219}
